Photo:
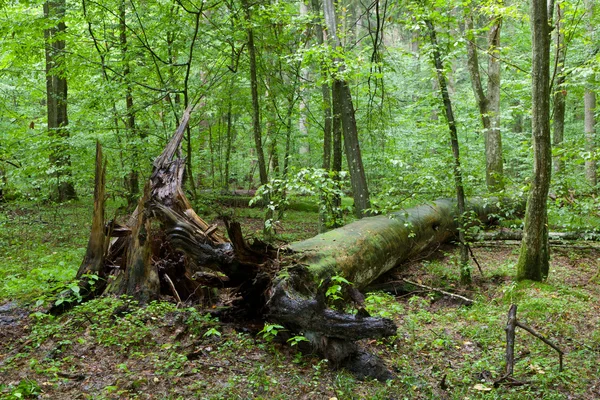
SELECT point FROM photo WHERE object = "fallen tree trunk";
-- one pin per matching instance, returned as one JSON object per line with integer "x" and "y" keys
{"x": 165, "y": 248}
{"x": 364, "y": 250}
{"x": 556, "y": 237}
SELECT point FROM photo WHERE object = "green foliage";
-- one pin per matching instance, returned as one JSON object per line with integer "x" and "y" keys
{"x": 26, "y": 389}
{"x": 323, "y": 185}
{"x": 270, "y": 331}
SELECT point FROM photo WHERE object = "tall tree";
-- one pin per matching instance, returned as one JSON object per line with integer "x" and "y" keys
{"x": 533, "y": 262}
{"x": 343, "y": 97}
{"x": 256, "y": 125}
{"x": 325, "y": 91}
{"x": 559, "y": 97}
{"x": 489, "y": 104}
{"x": 56, "y": 97}
{"x": 131, "y": 180}
{"x": 589, "y": 110}
{"x": 465, "y": 272}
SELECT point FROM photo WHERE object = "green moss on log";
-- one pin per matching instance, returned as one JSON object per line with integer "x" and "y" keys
{"x": 365, "y": 249}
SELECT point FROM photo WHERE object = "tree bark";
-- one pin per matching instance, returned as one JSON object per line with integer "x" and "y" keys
{"x": 132, "y": 179}
{"x": 256, "y": 126}
{"x": 489, "y": 105}
{"x": 494, "y": 163}
{"x": 533, "y": 262}
{"x": 56, "y": 98}
{"x": 560, "y": 91}
{"x": 343, "y": 97}
{"x": 589, "y": 110}
{"x": 590, "y": 136}
{"x": 465, "y": 272}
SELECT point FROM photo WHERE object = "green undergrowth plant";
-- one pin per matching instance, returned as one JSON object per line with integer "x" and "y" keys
{"x": 325, "y": 186}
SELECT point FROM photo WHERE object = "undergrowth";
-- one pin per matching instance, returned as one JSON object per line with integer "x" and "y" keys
{"x": 111, "y": 348}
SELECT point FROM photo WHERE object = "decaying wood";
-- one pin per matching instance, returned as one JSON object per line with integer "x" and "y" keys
{"x": 511, "y": 325}
{"x": 165, "y": 248}
{"x": 554, "y": 237}
{"x": 94, "y": 260}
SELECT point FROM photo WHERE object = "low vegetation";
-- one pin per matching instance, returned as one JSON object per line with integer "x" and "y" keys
{"x": 110, "y": 348}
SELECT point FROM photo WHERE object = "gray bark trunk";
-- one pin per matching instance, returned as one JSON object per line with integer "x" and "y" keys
{"x": 590, "y": 136}
{"x": 325, "y": 92}
{"x": 560, "y": 90}
{"x": 351, "y": 143}
{"x": 131, "y": 180}
{"x": 493, "y": 140}
{"x": 465, "y": 275}
{"x": 489, "y": 105}
{"x": 56, "y": 96}
{"x": 262, "y": 168}
{"x": 533, "y": 262}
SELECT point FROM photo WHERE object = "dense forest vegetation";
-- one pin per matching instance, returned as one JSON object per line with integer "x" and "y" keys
{"x": 317, "y": 114}
{"x": 260, "y": 76}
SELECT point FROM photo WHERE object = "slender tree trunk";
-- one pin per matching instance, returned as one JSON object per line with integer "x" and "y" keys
{"x": 56, "y": 96}
{"x": 132, "y": 179}
{"x": 533, "y": 260}
{"x": 590, "y": 135}
{"x": 590, "y": 108}
{"x": 489, "y": 105}
{"x": 350, "y": 131}
{"x": 288, "y": 137}
{"x": 560, "y": 89}
{"x": 326, "y": 94}
{"x": 303, "y": 104}
{"x": 493, "y": 140}
{"x": 358, "y": 178}
{"x": 262, "y": 168}
{"x": 327, "y": 134}
{"x": 228, "y": 141}
{"x": 465, "y": 272}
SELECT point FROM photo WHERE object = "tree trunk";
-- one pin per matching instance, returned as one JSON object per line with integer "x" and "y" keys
{"x": 589, "y": 109}
{"x": 229, "y": 140}
{"x": 489, "y": 106}
{"x": 493, "y": 139}
{"x": 325, "y": 92}
{"x": 560, "y": 90}
{"x": 132, "y": 178}
{"x": 465, "y": 272}
{"x": 262, "y": 168}
{"x": 358, "y": 179}
{"x": 56, "y": 98}
{"x": 343, "y": 97}
{"x": 590, "y": 136}
{"x": 533, "y": 260}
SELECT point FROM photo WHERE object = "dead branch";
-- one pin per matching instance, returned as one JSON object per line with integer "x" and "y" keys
{"x": 432, "y": 289}
{"x": 510, "y": 329}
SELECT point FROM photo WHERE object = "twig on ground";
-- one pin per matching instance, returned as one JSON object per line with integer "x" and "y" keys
{"x": 475, "y": 260}
{"x": 432, "y": 289}
{"x": 170, "y": 282}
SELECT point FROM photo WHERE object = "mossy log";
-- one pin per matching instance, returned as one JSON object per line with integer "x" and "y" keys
{"x": 364, "y": 250}
{"x": 165, "y": 248}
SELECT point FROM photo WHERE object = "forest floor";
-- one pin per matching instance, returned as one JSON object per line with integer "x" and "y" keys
{"x": 110, "y": 349}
